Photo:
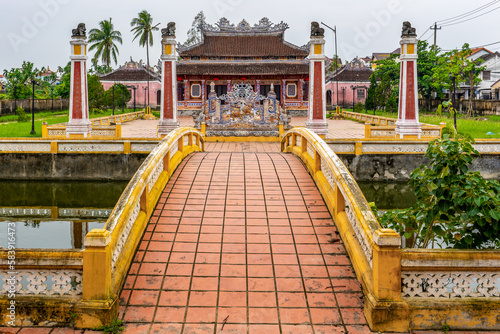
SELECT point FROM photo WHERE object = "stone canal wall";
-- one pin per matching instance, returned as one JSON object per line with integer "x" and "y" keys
{"x": 36, "y": 166}
{"x": 398, "y": 167}
{"x": 121, "y": 167}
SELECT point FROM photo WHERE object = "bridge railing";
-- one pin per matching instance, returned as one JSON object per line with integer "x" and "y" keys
{"x": 375, "y": 252}
{"x": 109, "y": 251}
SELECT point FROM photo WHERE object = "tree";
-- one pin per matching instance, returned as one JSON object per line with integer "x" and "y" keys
{"x": 386, "y": 91}
{"x": 19, "y": 80}
{"x": 455, "y": 68}
{"x": 104, "y": 40}
{"x": 143, "y": 29}
{"x": 454, "y": 206}
{"x": 428, "y": 58}
{"x": 63, "y": 89}
{"x": 97, "y": 96}
{"x": 121, "y": 96}
{"x": 194, "y": 34}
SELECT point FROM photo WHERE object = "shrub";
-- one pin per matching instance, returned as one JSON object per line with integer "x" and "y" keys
{"x": 455, "y": 207}
{"x": 359, "y": 107}
{"x": 21, "y": 115}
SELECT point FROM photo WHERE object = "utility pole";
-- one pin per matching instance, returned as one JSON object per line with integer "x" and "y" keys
{"x": 335, "y": 57}
{"x": 435, "y": 28}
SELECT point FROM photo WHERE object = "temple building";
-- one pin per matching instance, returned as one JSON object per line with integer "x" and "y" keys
{"x": 234, "y": 54}
{"x": 135, "y": 74}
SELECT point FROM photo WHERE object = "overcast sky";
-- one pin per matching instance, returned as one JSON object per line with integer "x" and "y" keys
{"x": 39, "y": 30}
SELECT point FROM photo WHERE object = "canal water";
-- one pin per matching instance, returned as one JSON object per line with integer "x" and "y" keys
{"x": 55, "y": 215}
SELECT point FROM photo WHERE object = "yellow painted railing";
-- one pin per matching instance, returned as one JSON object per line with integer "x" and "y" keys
{"x": 404, "y": 288}
{"x": 374, "y": 252}
{"x": 107, "y": 120}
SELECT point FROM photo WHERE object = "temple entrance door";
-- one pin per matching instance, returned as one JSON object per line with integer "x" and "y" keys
{"x": 328, "y": 98}
{"x": 158, "y": 98}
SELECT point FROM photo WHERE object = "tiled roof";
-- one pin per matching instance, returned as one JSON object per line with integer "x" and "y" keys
{"x": 242, "y": 68}
{"x": 358, "y": 74}
{"x": 130, "y": 74}
{"x": 476, "y": 50}
{"x": 243, "y": 46}
{"x": 490, "y": 55}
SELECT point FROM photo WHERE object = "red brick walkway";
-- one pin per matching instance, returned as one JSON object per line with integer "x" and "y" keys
{"x": 236, "y": 247}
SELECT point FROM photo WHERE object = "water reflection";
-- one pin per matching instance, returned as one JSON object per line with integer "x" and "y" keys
{"x": 55, "y": 215}
{"x": 387, "y": 196}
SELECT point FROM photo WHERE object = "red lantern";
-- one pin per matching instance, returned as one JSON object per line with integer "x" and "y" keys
{"x": 307, "y": 79}
{"x": 216, "y": 79}
{"x": 243, "y": 78}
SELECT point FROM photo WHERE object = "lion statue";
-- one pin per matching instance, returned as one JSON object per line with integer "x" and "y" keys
{"x": 80, "y": 31}
{"x": 316, "y": 30}
{"x": 169, "y": 30}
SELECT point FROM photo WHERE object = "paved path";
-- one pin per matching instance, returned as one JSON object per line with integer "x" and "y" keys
{"x": 336, "y": 128}
{"x": 233, "y": 247}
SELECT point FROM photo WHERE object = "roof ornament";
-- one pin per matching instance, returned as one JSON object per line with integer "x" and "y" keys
{"x": 408, "y": 31}
{"x": 225, "y": 26}
{"x": 80, "y": 31}
{"x": 316, "y": 30}
{"x": 169, "y": 30}
{"x": 212, "y": 87}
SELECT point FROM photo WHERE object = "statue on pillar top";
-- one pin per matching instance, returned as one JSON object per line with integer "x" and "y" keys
{"x": 169, "y": 30}
{"x": 408, "y": 31}
{"x": 316, "y": 30}
{"x": 80, "y": 31}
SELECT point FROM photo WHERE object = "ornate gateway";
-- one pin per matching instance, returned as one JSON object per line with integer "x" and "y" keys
{"x": 242, "y": 113}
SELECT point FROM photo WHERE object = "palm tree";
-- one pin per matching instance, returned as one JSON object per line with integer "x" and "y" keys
{"x": 104, "y": 41}
{"x": 143, "y": 29}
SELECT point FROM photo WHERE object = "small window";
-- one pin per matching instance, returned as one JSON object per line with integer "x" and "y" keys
{"x": 361, "y": 93}
{"x": 291, "y": 90}
{"x": 195, "y": 90}
{"x": 486, "y": 75}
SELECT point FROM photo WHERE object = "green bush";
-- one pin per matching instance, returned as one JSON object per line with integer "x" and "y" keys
{"x": 359, "y": 107}
{"x": 455, "y": 207}
{"x": 21, "y": 115}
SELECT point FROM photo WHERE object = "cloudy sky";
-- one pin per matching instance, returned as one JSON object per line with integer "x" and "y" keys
{"x": 39, "y": 30}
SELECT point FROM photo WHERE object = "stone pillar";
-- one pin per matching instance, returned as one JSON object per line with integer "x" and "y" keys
{"x": 79, "y": 124}
{"x": 407, "y": 125}
{"x": 168, "y": 117}
{"x": 186, "y": 90}
{"x": 316, "y": 119}
{"x": 301, "y": 91}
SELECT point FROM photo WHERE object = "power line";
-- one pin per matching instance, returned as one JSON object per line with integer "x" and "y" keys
{"x": 471, "y": 12}
{"x": 451, "y": 24}
{"x": 478, "y": 47}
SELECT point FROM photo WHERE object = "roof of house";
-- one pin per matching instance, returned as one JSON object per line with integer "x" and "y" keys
{"x": 496, "y": 85}
{"x": 264, "y": 39}
{"x": 242, "y": 68}
{"x": 352, "y": 74}
{"x": 379, "y": 56}
{"x": 131, "y": 71}
{"x": 476, "y": 50}
{"x": 488, "y": 56}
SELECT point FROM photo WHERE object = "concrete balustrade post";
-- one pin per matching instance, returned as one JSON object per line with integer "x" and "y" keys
{"x": 384, "y": 309}
{"x": 97, "y": 266}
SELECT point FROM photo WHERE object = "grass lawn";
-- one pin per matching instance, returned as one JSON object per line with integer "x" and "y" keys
{"x": 19, "y": 130}
{"x": 477, "y": 127}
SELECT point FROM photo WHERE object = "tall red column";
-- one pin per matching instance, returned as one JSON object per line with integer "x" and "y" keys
{"x": 407, "y": 125}
{"x": 316, "y": 120}
{"x": 168, "y": 117}
{"x": 79, "y": 124}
